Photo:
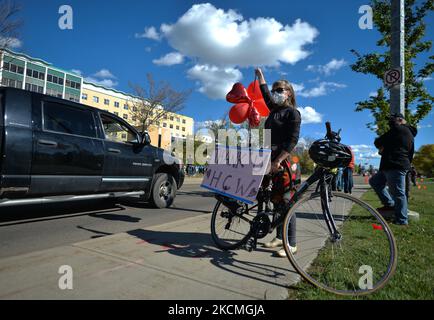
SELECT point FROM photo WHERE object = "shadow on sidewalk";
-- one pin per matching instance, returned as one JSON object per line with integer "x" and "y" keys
{"x": 200, "y": 245}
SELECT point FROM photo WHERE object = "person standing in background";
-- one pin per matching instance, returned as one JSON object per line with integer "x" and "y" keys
{"x": 396, "y": 147}
{"x": 348, "y": 175}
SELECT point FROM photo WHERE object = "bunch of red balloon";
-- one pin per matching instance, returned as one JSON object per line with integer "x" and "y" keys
{"x": 249, "y": 104}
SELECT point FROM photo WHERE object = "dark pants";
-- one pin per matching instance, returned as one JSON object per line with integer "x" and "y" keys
{"x": 395, "y": 180}
{"x": 281, "y": 195}
{"x": 348, "y": 180}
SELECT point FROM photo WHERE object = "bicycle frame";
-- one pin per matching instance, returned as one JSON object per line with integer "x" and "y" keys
{"x": 321, "y": 175}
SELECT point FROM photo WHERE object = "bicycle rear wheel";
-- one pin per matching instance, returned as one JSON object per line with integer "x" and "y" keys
{"x": 359, "y": 261}
{"x": 230, "y": 231}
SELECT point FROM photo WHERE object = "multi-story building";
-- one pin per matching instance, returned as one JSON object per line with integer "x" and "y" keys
{"x": 21, "y": 71}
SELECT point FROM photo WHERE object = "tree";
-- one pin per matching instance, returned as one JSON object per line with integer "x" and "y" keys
{"x": 9, "y": 25}
{"x": 302, "y": 152}
{"x": 417, "y": 97}
{"x": 155, "y": 102}
{"x": 424, "y": 160}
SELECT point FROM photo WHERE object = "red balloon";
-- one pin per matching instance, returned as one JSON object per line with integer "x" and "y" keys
{"x": 238, "y": 94}
{"x": 254, "y": 92}
{"x": 239, "y": 113}
{"x": 254, "y": 117}
{"x": 261, "y": 107}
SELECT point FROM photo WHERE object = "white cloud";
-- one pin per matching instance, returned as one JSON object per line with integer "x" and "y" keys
{"x": 103, "y": 82}
{"x": 424, "y": 79}
{"x": 309, "y": 115}
{"x": 423, "y": 126}
{"x": 328, "y": 68}
{"x": 76, "y": 71}
{"x": 104, "y": 74}
{"x": 365, "y": 152}
{"x": 169, "y": 59}
{"x": 104, "y": 78}
{"x": 215, "y": 82}
{"x": 373, "y": 94}
{"x": 149, "y": 33}
{"x": 10, "y": 42}
{"x": 215, "y": 36}
{"x": 321, "y": 90}
{"x": 221, "y": 42}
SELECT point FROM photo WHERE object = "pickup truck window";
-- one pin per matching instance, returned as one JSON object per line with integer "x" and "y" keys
{"x": 65, "y": 119}
{"x": 116, "y": 131}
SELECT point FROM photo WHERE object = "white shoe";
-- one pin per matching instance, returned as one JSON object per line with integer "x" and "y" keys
{"x": 282, "y": 253}
{"x": 274, "y": 243}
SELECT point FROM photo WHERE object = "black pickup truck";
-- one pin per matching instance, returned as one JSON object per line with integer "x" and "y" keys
{"x": 56, "y": 150}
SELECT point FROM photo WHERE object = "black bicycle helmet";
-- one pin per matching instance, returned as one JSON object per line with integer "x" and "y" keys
{"x": 330, "y": 154}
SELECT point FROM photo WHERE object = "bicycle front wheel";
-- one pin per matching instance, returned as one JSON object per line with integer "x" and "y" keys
{"x": 358, "y": 259}
{"x": 230, "y": 230}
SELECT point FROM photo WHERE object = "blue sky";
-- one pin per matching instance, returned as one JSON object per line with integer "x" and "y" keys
{"x": 111, "y": 36}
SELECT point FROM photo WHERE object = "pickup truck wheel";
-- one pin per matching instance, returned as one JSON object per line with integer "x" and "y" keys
{"x": 163, "y": 190}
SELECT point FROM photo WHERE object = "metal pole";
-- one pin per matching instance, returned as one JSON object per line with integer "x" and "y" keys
{"x": 397, "y": 92}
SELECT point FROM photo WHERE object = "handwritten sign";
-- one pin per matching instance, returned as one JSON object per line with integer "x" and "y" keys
{"x": 237, "y": 172}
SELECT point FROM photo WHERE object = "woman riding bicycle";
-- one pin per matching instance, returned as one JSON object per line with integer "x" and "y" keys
{"x": 284, "y": 122}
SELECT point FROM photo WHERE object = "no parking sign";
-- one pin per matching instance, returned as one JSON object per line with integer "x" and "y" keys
{"x": 393, "y": 77}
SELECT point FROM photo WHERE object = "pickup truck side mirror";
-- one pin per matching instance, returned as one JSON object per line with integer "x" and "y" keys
{"x": 146, "y": 139}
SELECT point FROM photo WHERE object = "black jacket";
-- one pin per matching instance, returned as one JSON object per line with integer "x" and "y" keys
{"x": 283, "y": 122}
{"x": 398, "y": 144}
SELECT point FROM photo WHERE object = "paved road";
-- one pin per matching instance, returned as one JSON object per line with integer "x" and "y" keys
{"x": 31, "y": 228}
{"x": 131, "y": 251}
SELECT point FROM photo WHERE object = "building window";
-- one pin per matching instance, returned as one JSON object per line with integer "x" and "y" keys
{"x": 54, "y": 79}
{"x": 116, "y": 104}
{"x": 134, "y": 119}
{"x": 73, "y": 84}
{"x": 13, "y": 68}
{"x": 125, "y": 106}
{"x": 134, "y": 109}
{"x": 183, "y": 129}
{"x": 54, "y": 93}
{"x": 177, "y": 119}
{"x": 183, "y": 121}
{"x": 171, "y": 118}
{"x": 177, "y": 127}
{"x": 35, "y": 74}
{"x": 116, "y": 113}
{"x": 164, "y": 125}
{"x": 72, "y": 97}
{"x": 125, "y": 116}
{"x": 165, "y": 117}
{"x": 84, "y": 96}
{"x": 171, "y": 126}
{"x": 95, "y": 99}
{"x": 12, "y": 83}
{"x": 106, "y": 102}
{"x": 34, "y": 88}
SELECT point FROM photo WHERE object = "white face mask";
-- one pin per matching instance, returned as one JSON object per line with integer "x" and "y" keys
{"x": 278, "y": 98}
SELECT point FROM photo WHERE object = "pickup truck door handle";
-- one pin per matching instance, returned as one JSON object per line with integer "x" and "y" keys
{"x": 47, "y": 143}
{"x": 114, "y": 150}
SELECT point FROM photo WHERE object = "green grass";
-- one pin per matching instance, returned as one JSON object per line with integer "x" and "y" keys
{"x": 414, "y": 277}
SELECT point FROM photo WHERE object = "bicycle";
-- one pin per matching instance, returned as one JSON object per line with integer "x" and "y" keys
{"x": 344, "y": 245}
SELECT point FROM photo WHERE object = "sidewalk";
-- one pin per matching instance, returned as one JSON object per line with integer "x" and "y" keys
{"x": 177, "y": 260}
